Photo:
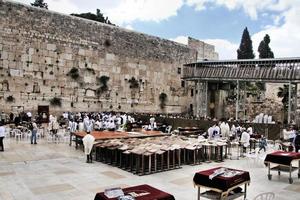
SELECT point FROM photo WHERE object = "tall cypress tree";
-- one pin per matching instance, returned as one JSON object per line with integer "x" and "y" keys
{"x": 40, "y": 3}
{"x": 264, "y": 48}
{"x": 245, "y": 50}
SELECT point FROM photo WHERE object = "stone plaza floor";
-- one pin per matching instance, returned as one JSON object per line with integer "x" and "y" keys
{"x": 54, "y": 171}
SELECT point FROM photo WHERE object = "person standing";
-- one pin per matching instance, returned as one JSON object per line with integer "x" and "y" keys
{"x": 88, "y": 143}
{"x": 296, "y": 142}
{"x": 73, "y": 128}
{"x": 245, "y": 140}
{"x": 2, "y": 135}
{"x": 262, "y": 144}
{"x": 34, "y": 129}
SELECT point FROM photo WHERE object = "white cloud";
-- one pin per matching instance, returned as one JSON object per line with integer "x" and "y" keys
{"x": 128, "y": 11}
{"x": 285, "y": 39}
{"x": 181, "y": 39}
{"x": 250, "y": 7}
{"x": 225, "y": 48}
{"x": 129, "y": 27}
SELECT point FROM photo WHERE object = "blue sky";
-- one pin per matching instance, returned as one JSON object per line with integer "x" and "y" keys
{"x": 218, "y": 22}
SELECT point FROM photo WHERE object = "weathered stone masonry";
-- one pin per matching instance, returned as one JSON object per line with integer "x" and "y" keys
{"x": 38, "y": 48}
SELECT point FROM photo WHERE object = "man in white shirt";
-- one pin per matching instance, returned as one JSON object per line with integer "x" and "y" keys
{"x": 98, "y": 125}
{"x": 250, "y": 130}
{"x": 2, "y": 135}
{"x": 88, "y": 143}
{"x": 72, "y": 128}
{"x": 245, "y": 140}
{"x": 111, "y": 126}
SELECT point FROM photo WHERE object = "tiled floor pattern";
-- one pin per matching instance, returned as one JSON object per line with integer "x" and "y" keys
{"x": 59, "y": 172}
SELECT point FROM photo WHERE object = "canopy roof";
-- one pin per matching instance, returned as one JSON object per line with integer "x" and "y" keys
{"x": 265, "y": 70}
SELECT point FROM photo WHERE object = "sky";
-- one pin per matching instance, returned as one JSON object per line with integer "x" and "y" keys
{"x": 217, "y": 22}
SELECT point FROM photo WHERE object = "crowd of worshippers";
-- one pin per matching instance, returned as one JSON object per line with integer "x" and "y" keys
{"x": 96, "y": 121}
{"x": 234, "y": 133}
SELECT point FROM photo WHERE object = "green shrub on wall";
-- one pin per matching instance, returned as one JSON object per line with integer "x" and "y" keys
{"x": 56, "y": 101}
{"x": 102, "y": 81}
{"x": 74, "y": 73}
{"x": 134, "y": 84}
{"x": 10, "y": 99}
{"x": 163, "y": 99}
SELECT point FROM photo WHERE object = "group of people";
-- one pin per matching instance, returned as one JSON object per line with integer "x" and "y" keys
{"x": 235, "y": 132}
{"x": 97, "y": 121}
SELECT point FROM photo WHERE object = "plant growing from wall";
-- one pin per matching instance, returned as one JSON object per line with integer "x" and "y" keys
{"x": 133, "y": 83}
{"x": 163, "y": 99}
{"x": 74, "y": 73}
{"x": 102, "y": 81}
{"x": 10, "y": 99}
{"x": 56, "y": 101}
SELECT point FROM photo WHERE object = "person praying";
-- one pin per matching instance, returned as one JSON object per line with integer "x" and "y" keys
{"x": 88, "y": 143}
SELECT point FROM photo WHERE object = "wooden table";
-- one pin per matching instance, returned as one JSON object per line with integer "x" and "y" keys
{"x": 283, "y": 161}
{"x": 105, "y": 135}
{"x": 221, "y": 187}
{"x": 143, "y": 192}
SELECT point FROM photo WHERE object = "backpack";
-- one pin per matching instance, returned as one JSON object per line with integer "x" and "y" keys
{"x": 30, "y": 126}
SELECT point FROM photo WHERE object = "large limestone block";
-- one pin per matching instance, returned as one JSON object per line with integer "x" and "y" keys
{"x": 51, "y": 47}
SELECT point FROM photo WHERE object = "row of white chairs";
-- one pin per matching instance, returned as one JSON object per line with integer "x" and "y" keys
{"x": 62, "y": 135}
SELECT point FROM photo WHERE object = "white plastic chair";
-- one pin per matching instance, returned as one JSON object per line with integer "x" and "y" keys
{"x": 168, "y": 129}
{"x": 27, "y": 134}
{"x": 265, "y": 196}
{"x": 18, "y": 134}
{"x": 60, "y": 135}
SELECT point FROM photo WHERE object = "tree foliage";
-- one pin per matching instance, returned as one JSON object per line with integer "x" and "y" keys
{"x": 283, "y": 92}
{"x": 245, "y": 50}
{"x": 40, "y": 3}
{"x": 264, "y": 48}
{"x": 99, "y": 17}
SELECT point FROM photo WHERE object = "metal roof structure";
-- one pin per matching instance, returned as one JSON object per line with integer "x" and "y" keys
{"x": 265, "y": 70}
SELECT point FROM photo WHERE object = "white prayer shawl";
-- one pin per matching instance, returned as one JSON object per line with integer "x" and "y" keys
{"x": 233, "y": 130}
{"x": 224, "y": 129}
{"x": 245, "y": 139}
{"x": 250, "y": 130}
{"x": 286, "y": 134}
{"x": 210, "y": 132}
{"x": 81, "y": 126}
{"x": 88, "y": 142}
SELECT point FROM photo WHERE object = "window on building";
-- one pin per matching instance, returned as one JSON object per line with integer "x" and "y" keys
{"x": 192, "y": 92}
{"x": 182, "y": 84}
{"x": 179, "y": 70}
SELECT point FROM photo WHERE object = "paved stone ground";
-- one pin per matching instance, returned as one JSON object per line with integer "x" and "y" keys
{"x": 56, "y": 171}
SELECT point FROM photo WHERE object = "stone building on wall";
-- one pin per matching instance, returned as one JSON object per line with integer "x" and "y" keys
{"x": 39, "y": 49}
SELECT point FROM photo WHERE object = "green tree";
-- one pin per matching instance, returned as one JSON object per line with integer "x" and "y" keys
{"x": 40, "y": 3}
{"x": 99, "y": 17}
{"x": 245, "y": 50}
{"x": 264, "y": 48}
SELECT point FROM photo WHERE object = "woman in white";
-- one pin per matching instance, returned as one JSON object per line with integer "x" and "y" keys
{"x": 88, "y": 143}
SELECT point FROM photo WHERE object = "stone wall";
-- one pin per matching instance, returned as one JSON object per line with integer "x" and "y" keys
{"x": 38, "y": 48}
